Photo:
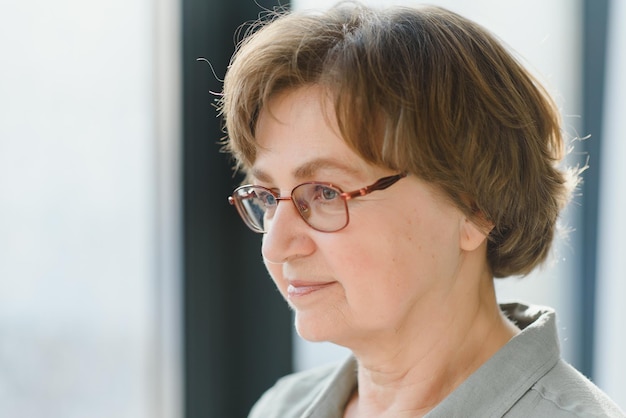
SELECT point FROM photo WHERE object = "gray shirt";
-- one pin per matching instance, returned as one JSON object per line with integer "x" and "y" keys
{"x": 525, "y": 378}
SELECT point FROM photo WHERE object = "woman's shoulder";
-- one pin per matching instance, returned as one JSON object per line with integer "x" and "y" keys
{"x": 565, "y": 392}
{"x": 294, "y": 394}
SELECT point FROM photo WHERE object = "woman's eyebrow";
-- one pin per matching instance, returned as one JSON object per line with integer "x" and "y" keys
{"x": 308, "y": 170}
{"x": 260, "y": 175}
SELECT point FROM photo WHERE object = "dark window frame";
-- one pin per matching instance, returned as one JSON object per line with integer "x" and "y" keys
{"x": 237, "y": 327}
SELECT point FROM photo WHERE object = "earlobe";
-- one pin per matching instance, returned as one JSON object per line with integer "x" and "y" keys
{"x": 472, "y": 235}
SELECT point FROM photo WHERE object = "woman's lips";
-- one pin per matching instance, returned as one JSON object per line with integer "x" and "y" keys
{"x": 301, "y": 288}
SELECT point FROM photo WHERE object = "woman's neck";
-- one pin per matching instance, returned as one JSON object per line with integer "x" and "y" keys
{"x": 410, "y": 370}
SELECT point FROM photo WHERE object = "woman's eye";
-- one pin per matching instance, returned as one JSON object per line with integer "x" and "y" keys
{"x": 329, "y": 194}
{"x": 267, "y": 198}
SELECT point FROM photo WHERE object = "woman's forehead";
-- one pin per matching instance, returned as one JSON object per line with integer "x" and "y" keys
{"x": 295, "y": 132}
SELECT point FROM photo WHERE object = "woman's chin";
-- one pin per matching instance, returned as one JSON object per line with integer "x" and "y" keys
{"x": 315, "y": 328}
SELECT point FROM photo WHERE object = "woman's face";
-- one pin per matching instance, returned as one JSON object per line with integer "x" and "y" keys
{"x": 398, "y": 257}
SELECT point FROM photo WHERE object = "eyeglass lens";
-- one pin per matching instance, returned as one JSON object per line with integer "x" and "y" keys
{"x": 321, "y": 206}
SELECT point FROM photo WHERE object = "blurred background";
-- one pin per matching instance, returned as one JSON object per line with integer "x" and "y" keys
{"x": 129, "y": 288}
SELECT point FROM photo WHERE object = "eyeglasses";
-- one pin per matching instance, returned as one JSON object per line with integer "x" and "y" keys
{"x": 323, "y": 206}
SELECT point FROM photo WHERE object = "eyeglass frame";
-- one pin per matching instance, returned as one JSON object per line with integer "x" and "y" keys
{"x": 380, "y": 184}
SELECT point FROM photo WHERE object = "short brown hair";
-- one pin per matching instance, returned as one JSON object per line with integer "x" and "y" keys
{"x": 426, "y": 91}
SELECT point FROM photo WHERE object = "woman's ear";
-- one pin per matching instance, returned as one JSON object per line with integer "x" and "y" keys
{"x": 473, "y": 235}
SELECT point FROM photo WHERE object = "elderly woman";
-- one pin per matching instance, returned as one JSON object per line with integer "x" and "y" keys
{"x": 398, "y": 161}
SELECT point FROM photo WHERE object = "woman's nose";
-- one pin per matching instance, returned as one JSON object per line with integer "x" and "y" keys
{"x": 287, "y": 236}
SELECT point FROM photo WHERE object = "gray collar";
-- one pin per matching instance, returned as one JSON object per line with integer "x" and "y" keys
{"x": 512, "y": 371}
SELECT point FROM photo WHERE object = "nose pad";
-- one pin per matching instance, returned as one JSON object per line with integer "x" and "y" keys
{"x": 303, "y": 208}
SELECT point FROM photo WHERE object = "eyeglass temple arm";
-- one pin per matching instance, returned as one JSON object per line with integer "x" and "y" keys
{"x": 379, "y": 185}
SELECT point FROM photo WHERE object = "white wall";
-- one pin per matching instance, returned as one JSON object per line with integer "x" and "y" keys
{"x": 610, "y": 347}
{"x": 81, "y": 313}
{"x": 546, "y": 35}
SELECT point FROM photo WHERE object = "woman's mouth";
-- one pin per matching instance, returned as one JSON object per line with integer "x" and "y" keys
{"x": 297, "y": 289}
